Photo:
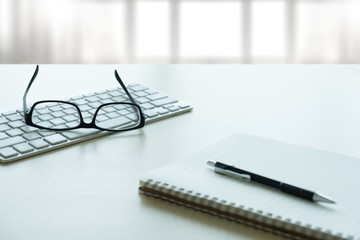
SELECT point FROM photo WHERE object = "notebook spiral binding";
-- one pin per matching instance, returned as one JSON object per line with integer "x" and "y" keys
{"x": 238, "y": 213}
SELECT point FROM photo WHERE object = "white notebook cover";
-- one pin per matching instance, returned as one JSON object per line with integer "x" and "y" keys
{"x": 194, "y": 184}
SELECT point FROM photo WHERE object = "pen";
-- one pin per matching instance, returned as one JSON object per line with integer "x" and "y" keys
{"x": 232, "y": 171}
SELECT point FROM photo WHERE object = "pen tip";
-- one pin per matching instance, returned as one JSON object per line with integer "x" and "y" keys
{"x": 211, "y": 163}
{"x": 321, "y": 198}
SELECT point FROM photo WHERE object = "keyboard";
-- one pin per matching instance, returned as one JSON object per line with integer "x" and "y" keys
{"x": 19, "y": 141}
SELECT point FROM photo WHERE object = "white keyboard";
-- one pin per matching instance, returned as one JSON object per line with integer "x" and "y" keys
{"x": 18, "y": 141}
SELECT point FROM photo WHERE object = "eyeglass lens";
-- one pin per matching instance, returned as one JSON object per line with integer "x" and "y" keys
{"x": 114, "y": 116}
{"x": 117, "y": 116}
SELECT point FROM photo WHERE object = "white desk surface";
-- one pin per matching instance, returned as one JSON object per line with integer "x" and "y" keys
{"x": 89, "y": 191}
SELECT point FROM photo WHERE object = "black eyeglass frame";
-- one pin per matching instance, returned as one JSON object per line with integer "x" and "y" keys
{"x": 28, "y": 112}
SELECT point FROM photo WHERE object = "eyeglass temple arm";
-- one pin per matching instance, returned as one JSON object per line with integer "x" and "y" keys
{"x": 37, "y": 70}
{"x": 123, "y": 86}
{"x": 28, "y": 88}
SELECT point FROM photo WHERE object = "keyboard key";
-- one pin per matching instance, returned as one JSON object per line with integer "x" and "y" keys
{"x": 8, "y": 152}
{"x": 85, "y": 107}
{"x": 41, "y": 111}
{"x": 70, "y": 111}
{"x": 78, "y": 133}
{"x": 162, "y": 111}
{"x": 123, "y": 112}
{"x": 147, "y": 106}
{"x": 104, "y": 96}
{"x": 120, "y": 106}
{"x": 66, "y": 106}
{"x": 11, "y": 141}
{"x": 151, "y": 91}
{"x": 39, "y": 144}
{"x": 172, "y": 108}
{"x": 31, "y": 136}
{"x": 80, "y": 101}
{"x": 55, "y": 139}
{"x": 92, "y": 99}
{"x": 55, "y": 108}
{"x": 108, "y": 100}
{"x": 164, "y": 101}
{"x": 4, "y": 127}
{"x": 45, "y": 117}
{"x": 8, "y": 113}
{"x": 113, "y": 123}
{"x": 112, "y": 115}
{"x": 14, "y": 132}
{"x": 150, "y": 113}
{"x": 87, "y": 115}
{"x": 100, "y": 118}
{"x": 183, "y": 105}
{"x": 88, "y": 95}
{"x": 133, "y": 117}
{"x": 115, "y": 93}
{"x": 14, "y": 117}
{"x": 45, "y": 133}
{"x": 28, "y": 129}
{"x": 3, "y": 120}
{"x": 141, "y": 94}
{"x": 108, "y": 109}
{"x": 23, "y": 148}
{"x": 142, "y": 100}
{"x": 47, "y": 124}
{"x": 72, "y": 124}
{"x": 16, "y": 124}
{"x": 138, "y": 88}
{"x": 58, "y": 114}
{"x": 156, "y": 96}
{"x": 57, "y": 121}
{"x": 70, "y": 118}
{"x": 76, "y": 97}
{"x": 3, "y": 136}
{"x": 95, "y": 105}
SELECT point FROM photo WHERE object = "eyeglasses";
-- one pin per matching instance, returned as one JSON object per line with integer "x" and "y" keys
{"x": 64, "y": 115}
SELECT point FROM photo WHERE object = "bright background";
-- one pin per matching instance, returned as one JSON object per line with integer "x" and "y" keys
{"x": 179, "y": 31}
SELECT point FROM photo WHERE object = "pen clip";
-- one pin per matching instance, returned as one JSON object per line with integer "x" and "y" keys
{"x": 244, "y": 177}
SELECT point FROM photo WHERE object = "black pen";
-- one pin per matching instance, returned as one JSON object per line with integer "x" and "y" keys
{"x": 232, "y": 171}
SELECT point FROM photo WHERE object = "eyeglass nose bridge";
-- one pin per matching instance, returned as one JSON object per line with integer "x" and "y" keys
{"x": 84, "y": 124}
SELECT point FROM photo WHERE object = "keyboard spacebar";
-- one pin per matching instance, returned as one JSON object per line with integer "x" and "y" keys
{"x": 83, "y": 132}
{"x": 78, "y": 133}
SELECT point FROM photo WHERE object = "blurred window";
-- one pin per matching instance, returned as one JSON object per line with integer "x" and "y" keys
{"x": 179, "y": 31}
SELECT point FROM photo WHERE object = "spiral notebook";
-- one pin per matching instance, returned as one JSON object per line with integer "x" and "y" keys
{"x": 193, "y": 184}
